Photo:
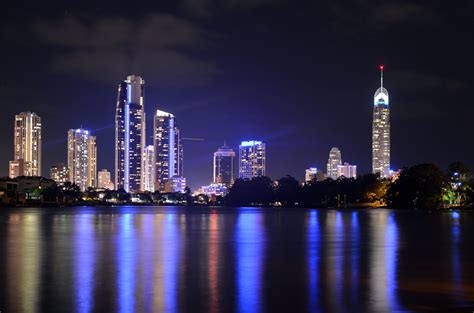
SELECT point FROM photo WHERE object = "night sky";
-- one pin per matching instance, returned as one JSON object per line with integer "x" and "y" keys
{"x": 300, "y": 77}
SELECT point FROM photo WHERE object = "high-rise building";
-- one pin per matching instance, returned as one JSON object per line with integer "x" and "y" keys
{"x": 130, "y": 134}
{"x": 59, "y": 173}
{"x": 252, "y": 159}
{"x": 310, "y": 174}
{"x": 347, "y": 170}
{"x": 27, "y": 146}
{"x": 224, "y": 166}
{"x": 381, "y": 131}
{"x": 149, "y": 173}
{"x": 104, "y": 180}
{"x": 167, "y": 148}
{"x": 82, "y": 158}
{"x": 333, "y": 162}
{"x": 175, "y": 184}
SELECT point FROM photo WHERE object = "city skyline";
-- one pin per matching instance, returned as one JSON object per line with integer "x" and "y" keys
{"x": 249, "y": 69}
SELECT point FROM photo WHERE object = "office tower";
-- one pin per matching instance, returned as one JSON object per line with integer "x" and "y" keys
{"x": 104, "y": 180}
{"x": 149, "y": 174}
{"x": 167, "y": 148}
{"x": 347, "y": 170}
{"x": 27, "y": 146}
{"x": 175, "y": 184}
{"x": 59, "y": 173}
{"x": 82, "y": 158}
{"x": 252, "y": 159}
{"x": 381, "y": 131}
{"x": 333, "y": 161}
{"x": 130, "y": 134}
{"x": 224, "y": 166}
{"x": 310, "y": 174}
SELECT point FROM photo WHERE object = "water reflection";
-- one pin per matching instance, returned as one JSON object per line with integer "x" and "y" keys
{"x": 24, "y": 262}
{"x": 125, "y": 258}
{"x": 313, "y": 248}
{"x": 250, "y": 258}
{"x": 383, "y": 262}
{"x": 84, "y": 263}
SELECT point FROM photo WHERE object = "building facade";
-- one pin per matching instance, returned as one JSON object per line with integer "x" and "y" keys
{"x": 334, "y": 161}
{"x": 59, "y": 173}
{"x": 347, "y": 170}
{"x": 27, "y": 146}
{"x": 149, "y": 173}
{"x": 252, "y": 159}
{"x": 223, "y": 166}
{"x": 130, "y": 134}
{"x": 381, "y": 131}
{"x": 310, "y": 174}
{"x": 82, "y": 158}
{"x": 104, "y": 180}
{"x": 168, "y": 149}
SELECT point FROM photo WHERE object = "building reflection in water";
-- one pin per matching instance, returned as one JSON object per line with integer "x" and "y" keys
{"x": 313, "y": 259}
{"x": 213, "y": 260}
{"x": 24, "y": 262}
{"x": 84, "y": 246}
{"x": 125, "y": 258}
{"x": 383, "y": 262}
{"x": 249, "y": 237}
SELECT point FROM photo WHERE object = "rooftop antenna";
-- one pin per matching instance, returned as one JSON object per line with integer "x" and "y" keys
{"x": 381, "y": 76}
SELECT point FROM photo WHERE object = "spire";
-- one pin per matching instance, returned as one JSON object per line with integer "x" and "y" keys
{"x": 381, "y": 76}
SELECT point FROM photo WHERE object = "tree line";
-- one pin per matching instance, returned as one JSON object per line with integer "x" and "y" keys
{"x": 423, "y": 186}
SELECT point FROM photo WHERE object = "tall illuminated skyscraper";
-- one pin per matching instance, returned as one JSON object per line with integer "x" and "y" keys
{"x": 168, "y": 150}
{"x": 27, "y": 146}
{"x": 130, "y": 134}
{"x": 82, "y": 158}
{"x": 224, "y": 166}
{"x": 252, "y": 159}
{"x": 381, "y": 131}
{"x": 59, "y": 173}
{"x": 333, "y": 162}
{"x": 149, "y": 173}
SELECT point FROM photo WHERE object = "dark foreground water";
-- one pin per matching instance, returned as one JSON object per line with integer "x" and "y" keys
{"x": 234, "y": 260}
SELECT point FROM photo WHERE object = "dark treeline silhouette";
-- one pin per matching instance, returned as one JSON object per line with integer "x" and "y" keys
{"x": 423, "y": 186}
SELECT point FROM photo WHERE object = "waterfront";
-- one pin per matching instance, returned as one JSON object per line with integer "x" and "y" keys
{"x": 177, "y": 259}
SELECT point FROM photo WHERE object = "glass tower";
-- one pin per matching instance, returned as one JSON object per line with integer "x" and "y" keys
{"x": 252, "y": 159}
{"x": 168, "y": 149}
{"x": 381, "y": 131}
{"x": 130, "y": 134}
{"x": 333, "y": 162}
{"x": 224, "y": 166}
{"x": 82, "y": 158}
{"x": 27, "y": 146}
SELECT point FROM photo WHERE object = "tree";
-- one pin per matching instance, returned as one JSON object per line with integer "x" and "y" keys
{"x": 418, "y": 187}
{"x": 288, "y": 191}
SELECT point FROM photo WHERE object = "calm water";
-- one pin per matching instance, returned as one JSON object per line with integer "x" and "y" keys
{"x": 234, "y": 260}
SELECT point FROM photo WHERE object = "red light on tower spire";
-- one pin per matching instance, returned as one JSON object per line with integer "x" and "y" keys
{"x": 381, "y": 67}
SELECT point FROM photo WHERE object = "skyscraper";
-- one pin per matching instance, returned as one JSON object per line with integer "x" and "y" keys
{"x": 149, "y": 174}
{"x": 104, "y": 180}
{"x": 252, "y": 159}
{"x": 224, "y": 166}
{"x": 347, "y": 170}
{"x": 310, "y": 174}
{"x": 168, "y": 149}
{"x": 59, "y": 173}
{"x": 82, "y": 158}
{"x": 130, "y": 134}
{"x": 27, "y": 146}
{"x": 381, "y": 131}
{"x": 333, "y": 162}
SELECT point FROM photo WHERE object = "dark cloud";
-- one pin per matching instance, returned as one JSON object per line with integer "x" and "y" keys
{"x": 367, "y": 13}
{"x": 207, "y": 8}
{"x": 161, "y": 47}
{"x": 417, "y": 81}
